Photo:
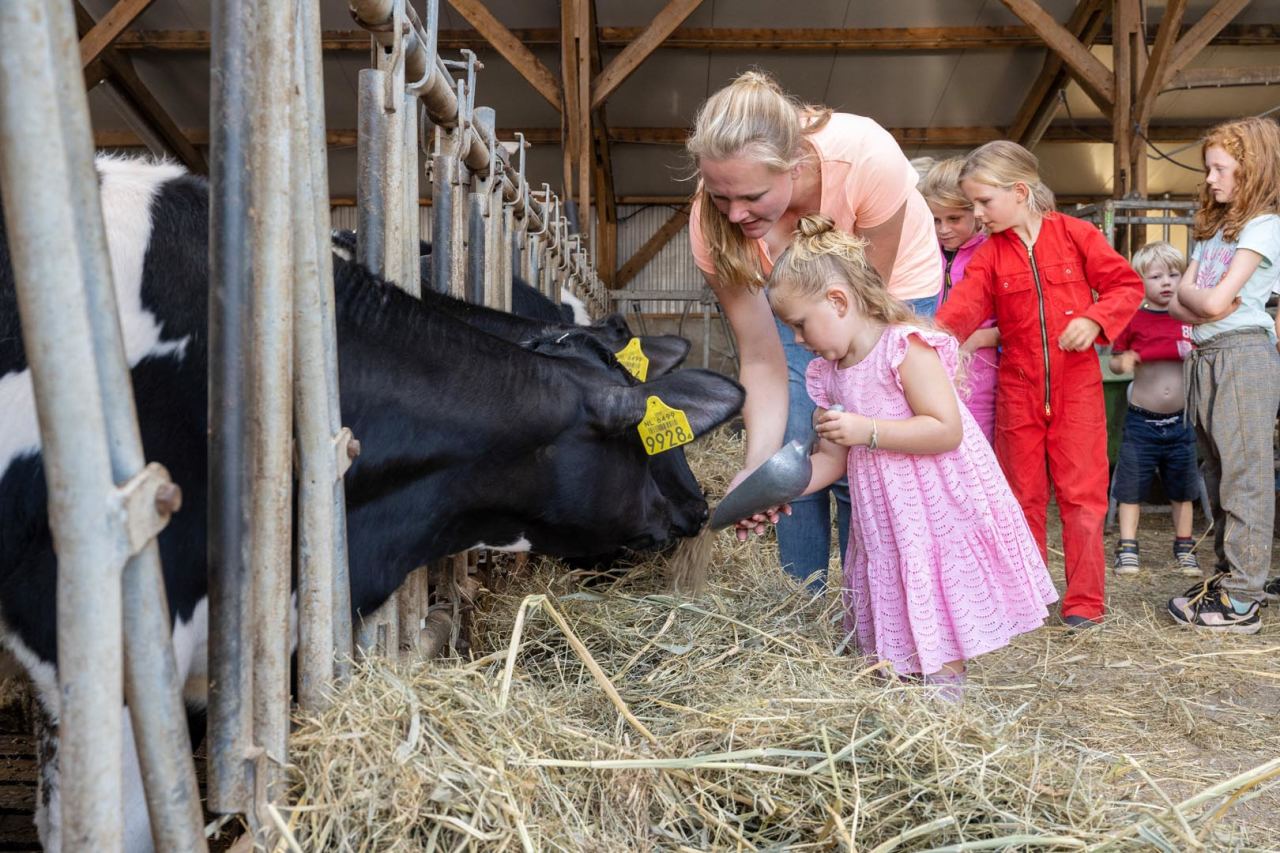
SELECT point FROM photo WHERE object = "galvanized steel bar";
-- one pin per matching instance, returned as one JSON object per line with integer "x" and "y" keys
{"x": 317, "y": 148}
{"x": 318, "y": 468}
{"x": 34, "y": 167}
{"x": 371, "y": 148}
{"x": 271, "y": 328}
{"x": 409, "y": 241}
{"x": 230, "y": 594}
{"x": 444, "y": 198}
{"x": 153, "y": 691}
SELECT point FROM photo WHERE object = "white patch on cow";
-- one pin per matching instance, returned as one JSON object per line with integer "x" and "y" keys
{"x": 128, "y": 187}
{"x": 21, "y": 433}
{"x": 520, "y": 546}
{"x": 137, "y": 823}
{"x": 43, "y": 675}
{"x": 48, "y": 816}
{"x": 580, "y": 315}
{"x": 191, "y": 655}
{"x": 343, "y": 253}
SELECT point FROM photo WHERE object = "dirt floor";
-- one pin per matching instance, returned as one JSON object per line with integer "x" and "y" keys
{"x": 1148, "y": 695}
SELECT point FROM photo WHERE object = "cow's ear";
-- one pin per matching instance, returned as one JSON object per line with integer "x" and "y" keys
{"x": 616, "y": 325}
{"x": 706, "y": 398}
{"x": 665, "y": 353}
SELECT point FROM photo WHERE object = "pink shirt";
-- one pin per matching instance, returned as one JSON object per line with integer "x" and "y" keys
{"x": 865, "y": 179}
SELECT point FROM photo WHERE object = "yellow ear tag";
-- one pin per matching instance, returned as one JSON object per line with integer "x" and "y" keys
{"x": 632, "y": 357}
{"x": 663, "y": 427}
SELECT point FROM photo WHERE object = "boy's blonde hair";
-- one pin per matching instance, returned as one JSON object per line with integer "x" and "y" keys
{"x": 1159, "y": 252}
{"x": 941, "y": 185}
{"x": 822, "y": 253}
{"x": 1254, "y": 143}
{"x": 751, "y": 117}
{"x": 1002, "y": 164}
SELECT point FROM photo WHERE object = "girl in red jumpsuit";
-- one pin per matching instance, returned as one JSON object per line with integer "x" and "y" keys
{"x": 1056, "y": 288}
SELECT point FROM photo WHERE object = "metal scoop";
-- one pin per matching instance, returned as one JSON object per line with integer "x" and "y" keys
{"x": 779, "y": 480}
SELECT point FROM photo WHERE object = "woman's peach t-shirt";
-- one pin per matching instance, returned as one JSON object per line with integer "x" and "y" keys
{"x": 865, "y": 179}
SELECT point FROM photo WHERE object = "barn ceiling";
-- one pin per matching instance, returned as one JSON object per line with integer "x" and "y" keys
{"x": 920, "y": 92}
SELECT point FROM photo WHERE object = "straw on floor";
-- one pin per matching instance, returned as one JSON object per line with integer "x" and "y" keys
{"x": 624, "y": 717}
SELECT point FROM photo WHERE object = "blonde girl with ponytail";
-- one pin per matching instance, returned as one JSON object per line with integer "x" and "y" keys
{"x": 763, "y": 159}
{"x": 941, "y": 565}
{"x": 1056, "y": 288}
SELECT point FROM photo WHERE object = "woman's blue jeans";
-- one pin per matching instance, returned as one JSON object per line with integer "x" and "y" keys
{"x": 804, "y": 537}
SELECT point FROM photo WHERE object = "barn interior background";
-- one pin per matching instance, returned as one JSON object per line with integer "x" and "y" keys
{"x": 1110, "y": 100}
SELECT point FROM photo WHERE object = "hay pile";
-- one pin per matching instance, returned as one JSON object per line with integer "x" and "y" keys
{"x": 614, "y": 718}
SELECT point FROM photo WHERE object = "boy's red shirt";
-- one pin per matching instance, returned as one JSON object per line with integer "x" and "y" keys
{"x": 1154, "y": 336}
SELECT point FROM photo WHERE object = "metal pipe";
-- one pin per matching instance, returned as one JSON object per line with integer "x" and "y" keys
{"x": 153, "y": 691}
{"x": 476, "y": 248}
{"x": 410, "y": 231}
{"x": 271, "y": 329}
{"x": 230, "y": 673}
{"x": 371, "y": 204}
{"x": 317, "y": 459}
{"x": 317, "y": 148}
{"x": 444, "y": 179}
{"x": 34, "y": 168}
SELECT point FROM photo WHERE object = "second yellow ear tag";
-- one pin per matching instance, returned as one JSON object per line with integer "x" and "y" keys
{"x": 632, "y": 357}
{"x": 663, "y": 427}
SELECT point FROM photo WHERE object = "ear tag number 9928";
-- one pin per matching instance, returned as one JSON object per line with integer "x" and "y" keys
{"x": 663, "y": 427}
{"x": 632, "y": 357}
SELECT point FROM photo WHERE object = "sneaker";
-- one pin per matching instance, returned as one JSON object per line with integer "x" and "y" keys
{"x": 1208, "y": 606}
{"x": 1126, "y": 562}
{"x": 1272, "y": 589}
{"x": 1185, "y": 554}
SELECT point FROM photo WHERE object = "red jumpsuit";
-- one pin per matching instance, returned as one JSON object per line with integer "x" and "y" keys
{"x": 1049, "y": 402}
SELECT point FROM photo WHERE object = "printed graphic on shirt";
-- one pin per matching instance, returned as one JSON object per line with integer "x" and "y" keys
{"x": 1215, "y": 257}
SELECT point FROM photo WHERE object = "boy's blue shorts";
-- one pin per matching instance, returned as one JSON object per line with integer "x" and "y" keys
{"x": 1151, "y": 442}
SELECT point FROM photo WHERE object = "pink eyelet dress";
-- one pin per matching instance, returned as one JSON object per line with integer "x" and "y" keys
{"x": 941, "y": 564}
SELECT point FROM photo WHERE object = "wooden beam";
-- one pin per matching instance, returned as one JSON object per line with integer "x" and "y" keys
{"x": 569, "y": 86}
{"x": 606, "y": 202}
{"x": 582, "y": 47}
{"x": 1087, "y": 69}
{"x": 1124, "y": 24}
{"x": 1157, "y": 60}
{"x": 1215, "y": 78}
{"x": 1041, "y": 103}
{"x": 1201, "y": 33}
{"x": 105, "y": 31}
{"x": 620, "y": 68}
{"x": 505, "y": 43}
{"x": 723, "y": 39}
{"x": 927, "y": 137}
{"x": 651, "y": 247}
{"x": 137, "y": 97}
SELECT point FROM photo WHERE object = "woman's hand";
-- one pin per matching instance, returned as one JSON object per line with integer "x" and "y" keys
{"x": 844, "y": 428}
{"x": 1079, "y": 334}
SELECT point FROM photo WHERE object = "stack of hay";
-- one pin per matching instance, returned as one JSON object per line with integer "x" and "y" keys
{"x": 614, "y": 718}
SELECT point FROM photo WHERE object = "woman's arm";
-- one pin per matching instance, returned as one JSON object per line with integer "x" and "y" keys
{"x": 935, "y": 427}
{"x": 884, "y": 240}
{"x": 763, "y": 368}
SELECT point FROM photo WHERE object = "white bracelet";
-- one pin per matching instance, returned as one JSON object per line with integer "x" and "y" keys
{"x": 875, "y": 436}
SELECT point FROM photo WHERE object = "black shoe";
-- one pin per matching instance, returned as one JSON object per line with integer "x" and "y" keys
{"x": 1207, "y": 606}
{"x": 1076, "y": 622}
{"x": 1185, "y": 554}
{"x": 1272, "y": 588}
{"x": 1126, "y": 559}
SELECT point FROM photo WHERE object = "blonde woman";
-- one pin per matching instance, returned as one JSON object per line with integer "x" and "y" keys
{"x": 764, "y": 160}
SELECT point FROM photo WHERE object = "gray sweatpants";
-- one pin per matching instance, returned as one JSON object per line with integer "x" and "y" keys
{"x": 1233, "y": 392}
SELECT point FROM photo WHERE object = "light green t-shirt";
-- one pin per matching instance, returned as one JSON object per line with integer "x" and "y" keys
{"x": 1260, "y": 234}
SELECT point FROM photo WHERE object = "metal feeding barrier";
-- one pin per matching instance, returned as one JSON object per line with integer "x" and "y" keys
{"x": 275, "y": 433}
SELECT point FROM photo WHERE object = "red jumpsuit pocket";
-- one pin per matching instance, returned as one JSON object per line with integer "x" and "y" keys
{"x": 1066, "y": 288}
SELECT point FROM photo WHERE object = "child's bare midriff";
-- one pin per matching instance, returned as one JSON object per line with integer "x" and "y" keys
{"x": 1157, "y": 387}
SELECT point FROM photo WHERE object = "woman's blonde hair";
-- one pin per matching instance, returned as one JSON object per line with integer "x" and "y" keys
{"x": 751, "y": 117}
{"x": 1255, "y": 145}
{"x": 821, "y": 253}
{"x": 1003, "y": 164}
{"x": 1159, "y": 252}
{"x": 941, "y": 185}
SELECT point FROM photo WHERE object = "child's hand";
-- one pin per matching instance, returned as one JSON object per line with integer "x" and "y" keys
{"x": 844, "y": 428}
{"x": 760, "y": 522}
{"x": 1079, "y": 334}
{"x": 1127, "y": 361}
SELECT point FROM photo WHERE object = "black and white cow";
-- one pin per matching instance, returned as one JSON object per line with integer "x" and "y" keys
{"x": 468, "y": 438}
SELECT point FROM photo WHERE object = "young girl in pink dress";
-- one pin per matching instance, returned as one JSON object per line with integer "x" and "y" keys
{"x": 941, "y": 564}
